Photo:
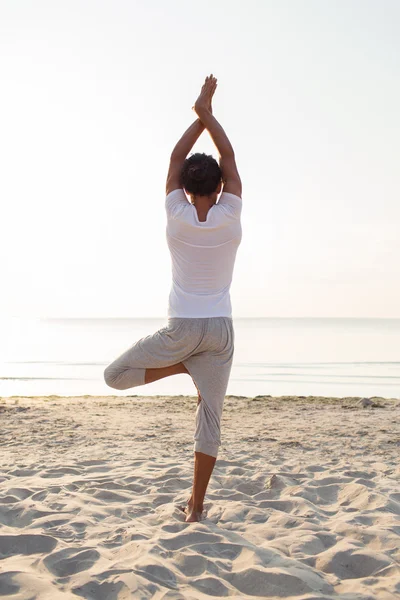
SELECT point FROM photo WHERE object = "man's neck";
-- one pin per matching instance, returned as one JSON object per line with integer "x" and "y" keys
{"x": 203, "y": 203}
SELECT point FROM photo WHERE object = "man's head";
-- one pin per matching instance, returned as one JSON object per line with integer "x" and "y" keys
{"x": 201, "y": 175}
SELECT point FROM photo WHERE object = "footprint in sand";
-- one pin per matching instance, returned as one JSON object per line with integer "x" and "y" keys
{"x": 70, "y": 561}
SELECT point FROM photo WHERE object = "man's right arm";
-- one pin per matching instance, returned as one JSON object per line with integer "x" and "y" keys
{"x": 230, "y": 174}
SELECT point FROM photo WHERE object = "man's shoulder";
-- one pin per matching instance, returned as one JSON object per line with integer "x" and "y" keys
{"x": 175, "y": 202}
{"x": 229, "y": 198}
{"x": 230, "y": 203}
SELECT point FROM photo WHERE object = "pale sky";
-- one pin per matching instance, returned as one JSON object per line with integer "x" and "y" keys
{"x": 95, "y": 95}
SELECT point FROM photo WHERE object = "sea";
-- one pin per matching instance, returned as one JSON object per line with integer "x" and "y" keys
{"x": 273, "y": 356}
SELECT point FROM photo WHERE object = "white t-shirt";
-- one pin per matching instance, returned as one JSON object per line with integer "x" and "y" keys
{"x": 203, "y": 255}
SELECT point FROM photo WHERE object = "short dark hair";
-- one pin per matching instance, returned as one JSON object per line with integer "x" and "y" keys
{"x": 200, "y": 174}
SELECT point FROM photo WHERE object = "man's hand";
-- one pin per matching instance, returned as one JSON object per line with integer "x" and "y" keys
{"x": 203, "y": 102}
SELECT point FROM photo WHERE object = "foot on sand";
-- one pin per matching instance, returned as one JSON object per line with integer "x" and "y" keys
{"x": 191, "y": 515}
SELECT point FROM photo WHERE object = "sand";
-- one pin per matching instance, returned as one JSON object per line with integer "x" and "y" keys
{"x": 303, "y": 503}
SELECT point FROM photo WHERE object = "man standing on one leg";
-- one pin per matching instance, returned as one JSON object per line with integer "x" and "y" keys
{"x": 204, "y": 464}
{"x": 203, "y": 236}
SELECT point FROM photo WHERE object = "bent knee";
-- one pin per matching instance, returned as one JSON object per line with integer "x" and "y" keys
{"x": 110, "y": 377}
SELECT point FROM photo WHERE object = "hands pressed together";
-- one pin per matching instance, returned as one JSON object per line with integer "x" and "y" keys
{"x": 203, "y": 102}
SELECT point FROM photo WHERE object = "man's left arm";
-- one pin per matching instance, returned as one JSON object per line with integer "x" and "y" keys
{"x": 179, "y": 154}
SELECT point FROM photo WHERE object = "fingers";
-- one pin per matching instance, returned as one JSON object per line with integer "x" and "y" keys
{"x": 210, "y": 81}
{"x": 209, "y": 87}
{"x": 208, "y": 90}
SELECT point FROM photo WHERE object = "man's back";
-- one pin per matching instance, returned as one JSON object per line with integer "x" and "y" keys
{"x": 203, "y": 255}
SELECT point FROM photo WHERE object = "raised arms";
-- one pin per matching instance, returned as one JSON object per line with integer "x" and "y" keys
{"x": 206, "y": 120}
{"x": 230, "y": 174}
{"x": 182, "y": 149}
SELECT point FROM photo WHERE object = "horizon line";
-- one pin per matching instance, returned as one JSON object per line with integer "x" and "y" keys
{"x": 234, "y": 318}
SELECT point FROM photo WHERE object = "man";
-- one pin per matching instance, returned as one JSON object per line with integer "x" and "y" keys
{"x": 203, "y": 237}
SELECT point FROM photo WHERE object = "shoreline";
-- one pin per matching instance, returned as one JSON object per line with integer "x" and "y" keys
{"x": 261, "y": 397}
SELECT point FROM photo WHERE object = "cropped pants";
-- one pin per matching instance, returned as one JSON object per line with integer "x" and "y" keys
{"x": 205, "y": 346}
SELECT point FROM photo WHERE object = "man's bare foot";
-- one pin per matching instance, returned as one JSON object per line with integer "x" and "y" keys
{"x": 198, "y": 394}
{"x": 188, "y": 510}
{"x": 193, "y": 516}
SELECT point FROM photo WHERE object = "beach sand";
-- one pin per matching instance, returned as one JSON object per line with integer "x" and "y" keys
{"x": 303, "y": 503}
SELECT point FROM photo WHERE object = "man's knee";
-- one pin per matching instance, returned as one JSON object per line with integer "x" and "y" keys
{"x": 110, "y": 377}
{"x": 124, "y": 378}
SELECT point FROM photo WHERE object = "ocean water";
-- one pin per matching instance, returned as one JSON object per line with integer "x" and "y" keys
{"x": 276, "y": 356}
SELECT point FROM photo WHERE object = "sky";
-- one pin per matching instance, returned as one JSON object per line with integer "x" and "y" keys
{"x": 95, "y": 94}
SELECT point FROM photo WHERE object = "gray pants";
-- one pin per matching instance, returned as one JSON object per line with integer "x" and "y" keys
{"x": 205, "y": 346}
